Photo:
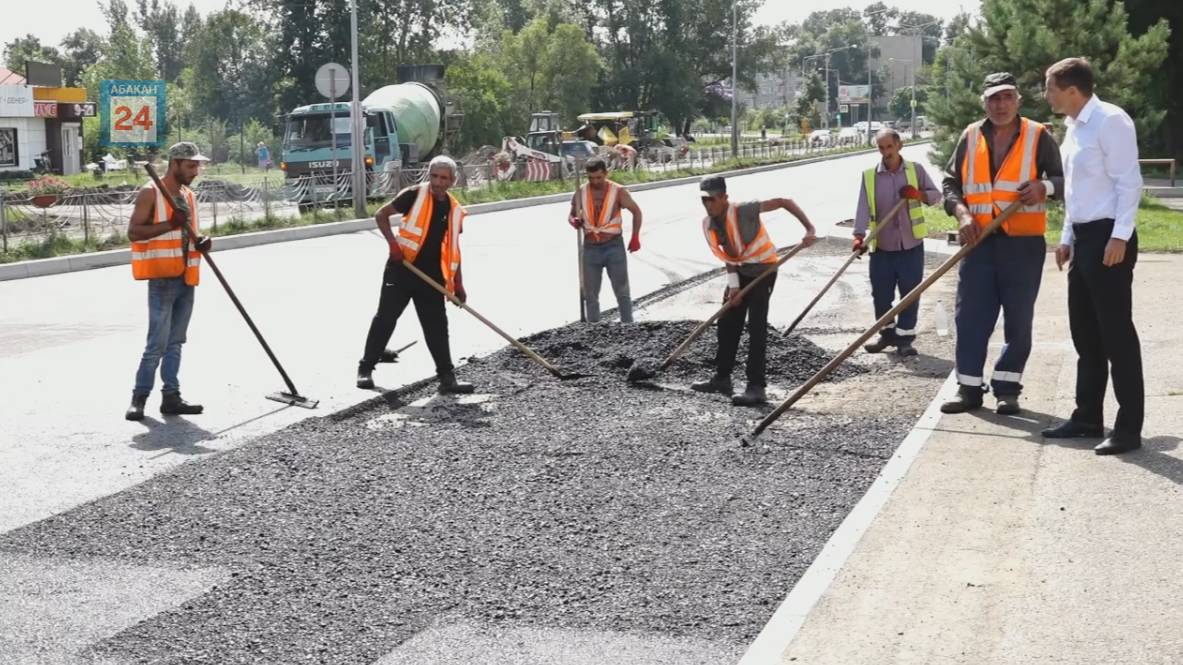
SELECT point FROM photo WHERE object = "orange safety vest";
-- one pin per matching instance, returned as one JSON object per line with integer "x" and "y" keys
{"x": 760, "y": 250}
{"x": 986, "y": 199}
{"x": 164, "y": 257}
{"x": 601, "y": 224}
{"x": 413, "y": 227}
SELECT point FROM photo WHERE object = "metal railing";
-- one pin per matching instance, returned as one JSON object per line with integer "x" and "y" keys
{"x": 98, "y": 216}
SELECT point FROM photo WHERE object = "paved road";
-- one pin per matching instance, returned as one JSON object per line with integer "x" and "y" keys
{"x": 69, "y": 343}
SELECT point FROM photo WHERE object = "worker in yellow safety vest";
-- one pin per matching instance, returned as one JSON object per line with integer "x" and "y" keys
{"x": 163, "y": 255}
{"x": 897, "y": 244}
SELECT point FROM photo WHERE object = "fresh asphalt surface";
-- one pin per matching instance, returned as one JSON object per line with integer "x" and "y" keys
{"x": 565, "y": 513}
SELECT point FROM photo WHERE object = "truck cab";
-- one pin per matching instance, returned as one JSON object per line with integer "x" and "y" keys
{"x": 317, "y": 140}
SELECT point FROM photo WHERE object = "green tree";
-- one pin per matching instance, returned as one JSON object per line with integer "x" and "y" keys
{"x": 549, "y": 68}
{"x": 1024, "y": 37}
{"x": 231, "y": 73}
{"x": 1168, "y": 79}
{"x": 901, "y": 102}
{"x": 29, "y": 47}
{"x": 483, "y": 92}
{"x": 80, "y": 49}
{"x": 125, "y": 54}
{"x": 162, "y": 23}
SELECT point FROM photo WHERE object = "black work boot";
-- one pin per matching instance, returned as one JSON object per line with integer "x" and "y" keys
{"x": 365, "y": 378}
{"x": 136, "y": 410}
{"x": 753, "y": 396}
{"x": 969, "y": 398}
{"x": 905, "y": 348}
{"x": 880, "y": 345}
{"x": 718, "y": 383}
{"x": 173, "y": 405}
{"x": 450, "y": 386}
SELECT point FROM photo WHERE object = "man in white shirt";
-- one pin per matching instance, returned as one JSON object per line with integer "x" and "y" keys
{"x": 1102, "y": 188}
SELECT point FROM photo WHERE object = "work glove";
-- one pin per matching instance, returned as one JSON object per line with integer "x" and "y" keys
{"x": 461, "y": 294}
{"x": 180, "y": 216}
{"x": 858, "y": 245}
{"x": 205, "y": 243}
{"x": 910, "y": 192}
{"x": 575, "y": 222}
{"x": 396, "y": 252}
{"x": 634, "y": 245}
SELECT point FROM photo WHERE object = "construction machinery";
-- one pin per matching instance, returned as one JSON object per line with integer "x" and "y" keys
{"x": 406, "y": 124}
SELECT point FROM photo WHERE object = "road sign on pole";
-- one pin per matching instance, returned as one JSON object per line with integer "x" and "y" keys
{"x": 843, "y": 108}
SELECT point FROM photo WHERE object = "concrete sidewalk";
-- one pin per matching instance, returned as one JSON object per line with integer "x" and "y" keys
{"x": 1002, "y": 547}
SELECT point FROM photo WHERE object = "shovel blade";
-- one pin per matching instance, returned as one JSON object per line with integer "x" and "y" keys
{"x": 293, "y": 400}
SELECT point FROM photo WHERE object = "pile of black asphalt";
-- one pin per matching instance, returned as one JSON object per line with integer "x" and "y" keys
{"x": 585, "y": 504}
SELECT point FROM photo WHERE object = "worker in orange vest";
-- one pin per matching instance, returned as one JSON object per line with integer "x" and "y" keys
{"x": 161, "y": 254}
{"x": 997, "y": 161}
{"x": 736, "y": 236}
{"x": 597, "y": 210}
{"x": 428, "y": 236}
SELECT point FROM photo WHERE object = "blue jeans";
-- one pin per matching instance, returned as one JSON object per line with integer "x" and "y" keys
{"x": 612, "y": 257}
{"x": 903, "y": 269}
{"x": 170, "y": 304}
{"x": 1002, "y": 273}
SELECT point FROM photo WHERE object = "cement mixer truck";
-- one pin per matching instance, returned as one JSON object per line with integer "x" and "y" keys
{"x": 406, "y": 124}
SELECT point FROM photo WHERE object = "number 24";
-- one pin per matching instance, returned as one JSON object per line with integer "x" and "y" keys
{"x": 123, "y": 114}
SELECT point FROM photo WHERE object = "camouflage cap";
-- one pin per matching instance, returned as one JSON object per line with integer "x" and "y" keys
{"x": 712, "y": 186}
{"x": 186, "y": 150}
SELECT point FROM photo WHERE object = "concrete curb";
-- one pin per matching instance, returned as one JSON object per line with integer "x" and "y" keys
{"x": 73, "y": 263}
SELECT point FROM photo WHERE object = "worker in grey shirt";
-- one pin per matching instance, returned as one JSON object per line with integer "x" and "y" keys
{"x": 897, "y": 247}
{"x": 999, "y": 161}
{"x": 736, "y": 236}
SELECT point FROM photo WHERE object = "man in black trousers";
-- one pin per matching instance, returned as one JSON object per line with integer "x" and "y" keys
{"x": 1103, "y": 186}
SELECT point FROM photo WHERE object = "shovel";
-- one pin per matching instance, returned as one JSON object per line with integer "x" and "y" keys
{"x": 853, "y": 255}
{"x": 903, "y": 304}
{"x": 645, "y": 369}
{"x": 521, "y": 347}
{"x": 292, "y": 397}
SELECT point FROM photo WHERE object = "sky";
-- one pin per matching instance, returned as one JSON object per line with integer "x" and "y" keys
{"x": 51, "y": 20}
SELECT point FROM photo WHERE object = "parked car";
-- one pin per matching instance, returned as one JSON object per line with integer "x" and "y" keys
{"x": 819, "y": 137}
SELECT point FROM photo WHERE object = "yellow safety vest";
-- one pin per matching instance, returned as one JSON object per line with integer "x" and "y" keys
{"x": 915, "y": 213}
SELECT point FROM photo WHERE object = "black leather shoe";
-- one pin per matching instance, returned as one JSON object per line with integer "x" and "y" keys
{"x": 880, "y": 345}
{"x": 717, "y": 384}
{"x": 967, "y": 399}
{"x": 1008, "y": 405}
{"x": 136, "y": 410}
{"x": 753, "y": 396}
{"x": 1070, "y": 429}
{"x": 906, "y": 349}
{"x": 365, "y": 378}
{"x": 173, "y": 405}
{"x": 1118, "y": 443}
{"x": 450, "y": 386}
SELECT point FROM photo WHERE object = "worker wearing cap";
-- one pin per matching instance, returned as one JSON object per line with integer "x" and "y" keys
{"x": 897, "y": 248}
{"x": 596, "y": 212}
{"x": 164, "y": 255}
{"x": 736, "y": 236}
{"x": 999, "y": 160}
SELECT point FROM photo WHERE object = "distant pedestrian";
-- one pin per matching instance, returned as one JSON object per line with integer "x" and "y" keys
{"x": 161, "y": 254}
{"x": 264, "y": 155}
{"x": 897, "y": 250}
{"x": 1102, "y": 188}
{"x": 998, "y": 161}
{"x": 736, "y": 236}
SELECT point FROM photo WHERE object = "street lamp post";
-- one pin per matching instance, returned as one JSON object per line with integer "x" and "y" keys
{"x": 826, "y": 55}
{"x": 734, "y": 87}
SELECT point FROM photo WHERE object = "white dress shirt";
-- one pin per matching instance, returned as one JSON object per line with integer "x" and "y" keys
{"x": 1101, "y": 175}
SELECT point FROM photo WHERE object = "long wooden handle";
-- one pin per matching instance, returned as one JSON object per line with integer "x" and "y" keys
{"x": 853, "y": 255}
{"x": 225, "y": 284}
{"x": 456, "y": 301}
{"x": 903, "y": 304}
{"x": 742, "y": 292}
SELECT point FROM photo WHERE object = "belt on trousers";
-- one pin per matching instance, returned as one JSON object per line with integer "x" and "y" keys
{"x": 1090, "y": 226}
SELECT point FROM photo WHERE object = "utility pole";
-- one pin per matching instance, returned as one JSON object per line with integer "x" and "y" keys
{"x": 870, "y": 97}
{"x": 357, "y": 126}
{"x": 826, "y": 115}
{"x": 734, "y": 86}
